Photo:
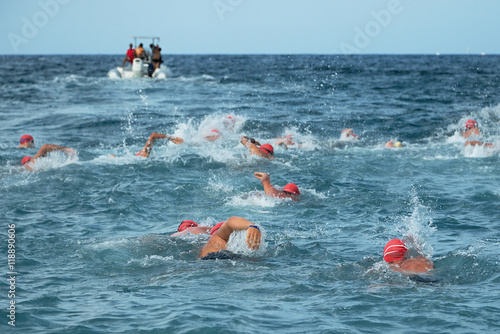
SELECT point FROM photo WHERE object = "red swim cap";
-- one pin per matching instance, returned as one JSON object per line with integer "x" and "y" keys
{"x": 470, "y": 124}
{"x": 267, "y": 148}
{"x": 215, "y": 228}
{"x": 292, "y": 188}
{"x": 25, "y": 160}
{"x": 394, "y": 250}
{"x": 185, "y": 224}
{"x": 215, "y": 130}
{"x": 25, "y": 138}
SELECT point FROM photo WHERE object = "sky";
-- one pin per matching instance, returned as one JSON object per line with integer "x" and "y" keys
{"x": 252, "y": 26}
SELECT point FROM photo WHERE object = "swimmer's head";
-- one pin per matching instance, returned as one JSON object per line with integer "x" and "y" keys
{"x": 215, "y": 228}
{"x": 347, "y": 133}
{"x": 394, "y": 250}
{"x": 229, "y": 122}
{"x": 186, "y": 224}
{"x": 215, "y": 131}
{"x": 267, "y": 148}
{"x": 470, "y": 124}
{"x": 26, "y": 141}
{"x": 25, "y": 160}
{"x": 398, "y": 144}
{"x": 292, "y": 189}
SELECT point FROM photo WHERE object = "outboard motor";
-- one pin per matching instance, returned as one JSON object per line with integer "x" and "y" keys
{"x": 137, "y": 67}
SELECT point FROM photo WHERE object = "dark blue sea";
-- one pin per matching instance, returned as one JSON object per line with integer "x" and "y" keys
{"x": 93, "y": 251}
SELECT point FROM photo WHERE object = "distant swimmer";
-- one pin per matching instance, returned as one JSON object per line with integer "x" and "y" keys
{"x": 215, "y": 134}
{"x": 26, "y": 141}
{"x": 44, "y": 150}
{"x": 146, "y": 151}
{"x": 289, "y": 191}
{"x": 129, "y": 56}
{"x": 391, "y": 144}
{"x": 286, "y": 141}
{"x": 478, "y": 143}
{"x": 229, "y": 122}
{"x": 395, "y": 253}
{"x": 348, "y": 134}
{"x": 220, "y": 233}
{"x": 189, "y": 226}
{"x": 471, "y": 129}
{"x": 265, "y": 150}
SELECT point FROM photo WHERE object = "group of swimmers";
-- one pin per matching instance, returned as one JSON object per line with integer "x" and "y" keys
{"x": 395, "y": 252}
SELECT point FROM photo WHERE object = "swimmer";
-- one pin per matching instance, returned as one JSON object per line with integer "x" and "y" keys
{"x": 44, "y": 150}
{"x": 229, "y": 122}
{"x": 26, "y": 141}
{"x": 471, "y": 129}
{"x": 348, "y": 134}
{"x": 146, "y": 151}
{"x": 289, "y": 191}
{"x": 214, "y": 136}
{"x": 286, "y": 141}
{"x": 265, "y": 150}
{"x": 478, "y": 143}
{"x": 189, "y": 226}
{"x": 395, "y": 253}
{"x": 220, "y": 233}
{"x": 390, "y": 144}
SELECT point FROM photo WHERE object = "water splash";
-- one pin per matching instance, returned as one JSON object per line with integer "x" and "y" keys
{"x": 417, "y": 228}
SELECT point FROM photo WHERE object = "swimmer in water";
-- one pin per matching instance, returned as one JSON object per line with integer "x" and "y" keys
{"x": 229, "y": 122}
{"x": 391, "y": 144}
{"x": 220, "y": 233}
{"x": 471, "y": 129}
{"x": 146, "y": 151}
{"x": 286, "y": 141}
{"x": 26, "y": 141}
{"x": 44, "y": 150}
{"x": 348, "y": 134}
{"x": 395, "y": 253}
{"x": 289, "y": 191}
{"x": 189, "y": 226}
{"x": 265, "y": 150}
{"x": 214, "y": 135}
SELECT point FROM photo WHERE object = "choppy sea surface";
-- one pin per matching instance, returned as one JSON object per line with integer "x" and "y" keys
{"x": 93, "y": 251}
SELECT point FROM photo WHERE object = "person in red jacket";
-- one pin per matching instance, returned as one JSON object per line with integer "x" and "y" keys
{"x": 130, "y": 55}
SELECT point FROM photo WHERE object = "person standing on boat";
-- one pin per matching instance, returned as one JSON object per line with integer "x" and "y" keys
{"x": 130, "y": 55}
{"x": 139, "y": 52}
{"x": 157, "y": 57}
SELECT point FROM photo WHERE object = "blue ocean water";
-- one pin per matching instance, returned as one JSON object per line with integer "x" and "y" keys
{"x": 92, "y": 232}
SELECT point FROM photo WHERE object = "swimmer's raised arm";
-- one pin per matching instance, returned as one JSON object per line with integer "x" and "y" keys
{"x": 46, "y": 148}
{"x": 265, "y": 179}
{"x": 146, "y": 151}
{"x": 238, "y": 224}
{"x": 247, "y": 141}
